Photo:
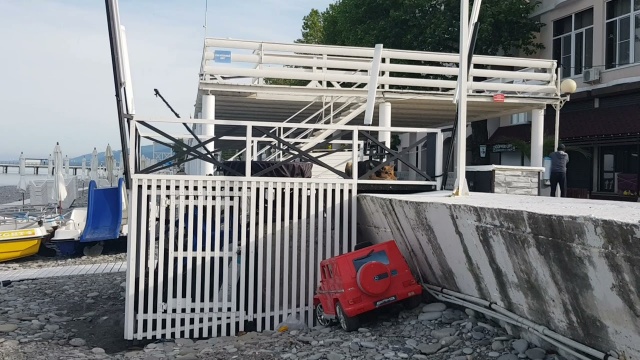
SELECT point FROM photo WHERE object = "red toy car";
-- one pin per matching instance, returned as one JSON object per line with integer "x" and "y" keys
{"x": 361, "y": 281}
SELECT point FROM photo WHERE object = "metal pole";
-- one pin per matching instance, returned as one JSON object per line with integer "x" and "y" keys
{"x": 461, "y": 145}
{"x": 112, "y": 25}
{"x": 558, "y": 106}
{"x": 557, "y": 130}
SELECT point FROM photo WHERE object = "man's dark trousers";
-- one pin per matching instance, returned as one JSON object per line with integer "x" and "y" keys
{"x": 559, "y": 178}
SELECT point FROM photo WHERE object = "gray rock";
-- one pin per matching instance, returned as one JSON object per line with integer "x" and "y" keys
{"x": 429, "y": 349}
{"x": 305, "y": 339}
{"x": 477, "y": 335}
{"x": 440, "y": 333}
{"x": 5, "y": 328}
{"x": 52, "y": 327}
{"x": 470, "y": 312}
{"x": 363, "y": 330}
{"x": 368, "y": 345}
{"x": 97, "y": 350}
{"x": 46, "y": 336}
{"x": 411, "y": 342}
{"x": 334, "y": 356}
{"x": 184, "y": 342}
{"x": 434, "y": 307}
{"x": 354, "y": 346}
{"x": 536, "y": 353}
{"x": 77, "y": 342}
{"x": 187, "y": 357}
{"x": 448, "y": 340}
{"x": 520, "y": 345}
{"x": 486, "y": 326}
{"x": 497, "y": 345}
{"x": 467, "y": 351}
{"x": 419, "y": 357}
{"x": 508, "y": 357}
{"x": 429, "y": 316}
{"x": 10, "y": 343}
{"x": 494, "y": 354}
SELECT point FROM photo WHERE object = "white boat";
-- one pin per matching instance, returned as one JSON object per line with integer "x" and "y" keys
{"x": 71, "y": 227}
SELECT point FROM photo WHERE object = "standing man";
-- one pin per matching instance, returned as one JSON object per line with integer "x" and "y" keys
{"x": 559, "y": 160}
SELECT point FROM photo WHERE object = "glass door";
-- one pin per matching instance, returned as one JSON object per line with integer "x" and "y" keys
{"x": 607, "y": 169}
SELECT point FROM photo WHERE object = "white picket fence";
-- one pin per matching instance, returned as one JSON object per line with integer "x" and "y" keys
{"x": 265, "y": 242}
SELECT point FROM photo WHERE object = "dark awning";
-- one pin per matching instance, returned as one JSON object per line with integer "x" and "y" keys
{"x": 600, "y": 123}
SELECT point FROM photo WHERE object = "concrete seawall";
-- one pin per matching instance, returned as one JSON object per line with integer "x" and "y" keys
{"x": 571, "y": 265}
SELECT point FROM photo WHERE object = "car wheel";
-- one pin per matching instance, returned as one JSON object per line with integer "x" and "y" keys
{"x": 412, "y": 302}
{"x": 347, "y": 323}
{"x": 320, "y": 316}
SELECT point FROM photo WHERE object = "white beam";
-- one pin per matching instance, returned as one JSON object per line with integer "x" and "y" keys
{"x": 208, "y": 129}
{"x": 537, "y": 137}
{"x": 373, "y": 84}
{"x": 384, "y": 114}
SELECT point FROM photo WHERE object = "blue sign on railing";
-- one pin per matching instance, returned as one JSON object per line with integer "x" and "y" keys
{"x": 222, "y": 56}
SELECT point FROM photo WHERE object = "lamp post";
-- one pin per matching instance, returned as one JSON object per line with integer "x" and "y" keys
{"x": 567, "y": 87}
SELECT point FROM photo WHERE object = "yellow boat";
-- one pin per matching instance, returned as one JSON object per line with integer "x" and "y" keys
{"x": 20, "y": 243}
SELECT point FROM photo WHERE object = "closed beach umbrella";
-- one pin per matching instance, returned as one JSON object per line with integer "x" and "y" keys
{"x": 66, "y": 165}
{"x": 50, "y": 166}
{"x": 93, "y": 174}
{"x": 84, "y": 169}
{"x": 59, "y": 188}
{"x": 22, "y": 183}
{"x": 110, "y": 164}
{"x": 120, "y": 166}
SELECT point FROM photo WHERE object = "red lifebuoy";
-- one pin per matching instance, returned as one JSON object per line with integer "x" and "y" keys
{"x": 373, "y": 278}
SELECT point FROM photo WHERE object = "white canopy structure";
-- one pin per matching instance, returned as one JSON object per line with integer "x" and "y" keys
{"x": 110, "y": 165}
{"x": 50, "y": 166}
{"x": 59, "y": 192}
{"x": 83, "y": 172}
{"x": 22, "y": 183}
{"x": 93, "y": 172}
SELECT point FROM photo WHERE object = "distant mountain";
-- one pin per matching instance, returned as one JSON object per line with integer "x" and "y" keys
{"x": 146, "y": 150}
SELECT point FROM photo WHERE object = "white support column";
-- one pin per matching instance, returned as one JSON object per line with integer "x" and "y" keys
{"x": 439, "y": 159}
{"x": 413, "y": 155}
{"x": 384, "y": 114}
{"x": 373, "y": 84}
{"x": 537, "y": 137}
{"x": 208, "y": 130}
{"x": 461, "y": 187}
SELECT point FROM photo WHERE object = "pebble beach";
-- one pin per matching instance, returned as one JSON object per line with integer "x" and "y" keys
{"x": 82, "y": 317}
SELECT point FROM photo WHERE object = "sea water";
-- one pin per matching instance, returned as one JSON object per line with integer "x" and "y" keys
{"x": 12, "y": 178}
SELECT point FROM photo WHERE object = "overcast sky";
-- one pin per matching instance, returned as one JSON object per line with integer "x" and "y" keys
{"x": 56, "y": 82}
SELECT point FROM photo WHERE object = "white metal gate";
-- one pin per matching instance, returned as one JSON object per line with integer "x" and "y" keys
{"x": 257, "y": 264}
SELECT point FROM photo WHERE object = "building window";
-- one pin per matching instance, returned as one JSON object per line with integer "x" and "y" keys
{"x": 521, "y": 118}
{"x": 573, "y": 42}
{"x": 622, "y": 33}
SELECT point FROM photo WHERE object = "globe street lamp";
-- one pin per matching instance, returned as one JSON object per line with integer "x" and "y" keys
{"x": 567, "y": 87}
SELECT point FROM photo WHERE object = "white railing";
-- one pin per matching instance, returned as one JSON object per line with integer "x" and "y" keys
{"x": 346, "y": 102}
{"x": 401, "y": 70}
{"x": 249, "y": 136}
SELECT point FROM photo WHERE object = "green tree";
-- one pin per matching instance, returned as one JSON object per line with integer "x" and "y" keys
{"x": 312, "y": 28}
{"x": 425, "y": 25}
